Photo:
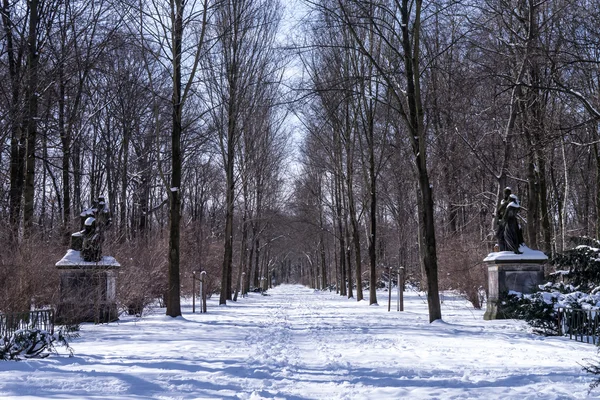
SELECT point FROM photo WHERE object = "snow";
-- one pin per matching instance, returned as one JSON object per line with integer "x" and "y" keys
{"x": 582, "y": 246}
{"x": 528, "y": 255}
{"x": 73, "y": 260}
{"x": 297, "y": 343}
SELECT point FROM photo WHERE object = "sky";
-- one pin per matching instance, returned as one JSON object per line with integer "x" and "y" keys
{"x": 297, "y": 343}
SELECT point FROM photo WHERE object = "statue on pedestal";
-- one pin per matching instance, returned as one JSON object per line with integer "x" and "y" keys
{"x": 87, "y": 278}
{"x": 513, "y": 266}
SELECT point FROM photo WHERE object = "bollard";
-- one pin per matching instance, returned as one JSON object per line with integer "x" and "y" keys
{"x": 398, "y": 286}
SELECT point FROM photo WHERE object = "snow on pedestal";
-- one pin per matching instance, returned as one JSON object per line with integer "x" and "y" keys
{"x": 528, "y": 254}
{"x": 509, "y": 271}
{"x": 73, "y": 260}
{"x": 87, "y": 289}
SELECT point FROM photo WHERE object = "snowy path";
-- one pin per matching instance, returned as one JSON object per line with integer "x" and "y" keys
{"x": 300, "y": 344}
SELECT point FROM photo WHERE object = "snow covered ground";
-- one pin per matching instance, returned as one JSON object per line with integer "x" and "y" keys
{"x": 297, "y": 343}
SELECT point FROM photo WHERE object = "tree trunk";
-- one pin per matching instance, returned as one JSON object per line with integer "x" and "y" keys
{"x": 373, "y": 241}
{"x": 533, "y": 196}
{"x": 429, "y": 247}
{"x": 597, "y": 155}
{"x": 352, "y": 215}
{"x": 65, "y": 139}
{"x": 321, "y": 244}
{"x": 230, "y": 187}
{"x": 173, "y": 291}
{"x": 342, "y": 241}
{"x": 243, "y": 245}
{"x": 417, "y": 132}
{"x": 124, "y": 180}
{"x": 31, "y": 118}
{"x": 563, "y": 214}
{"x": 17, "y": 175}
{"x": 373, "y": 213}
{"x": 348, "y": 259}
{"x": 42, "y": 218}
{"x": 545, "y": 213}
{"x": 323, "y": 272}
{"x": 17, "y": 139}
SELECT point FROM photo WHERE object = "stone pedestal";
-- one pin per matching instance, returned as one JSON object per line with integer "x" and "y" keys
{"x": 508, "y": 271}
{"x": 87, "y": 290}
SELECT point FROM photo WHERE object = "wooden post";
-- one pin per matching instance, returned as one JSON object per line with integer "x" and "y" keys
{"x": 398, "y": 288}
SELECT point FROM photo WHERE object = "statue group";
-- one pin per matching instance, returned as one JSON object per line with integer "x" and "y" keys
{"x": 94, "y": 221}
{"x": 508, "y": 231}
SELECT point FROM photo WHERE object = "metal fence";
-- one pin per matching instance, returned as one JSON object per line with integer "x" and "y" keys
{"x": 579, "y": 325}
{"x": 12, "y": 322}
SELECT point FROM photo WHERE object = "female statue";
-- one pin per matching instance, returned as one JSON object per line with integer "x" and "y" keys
{"x": 513, "y": 237}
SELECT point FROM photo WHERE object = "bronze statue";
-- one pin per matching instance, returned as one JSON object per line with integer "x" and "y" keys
{"x": 513, "y": 236}
{"x": 91, "y": 249}
{"x": 500, "y": 218}
{"x": 94, "y": 221}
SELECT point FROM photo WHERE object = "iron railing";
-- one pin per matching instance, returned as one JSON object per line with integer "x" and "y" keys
{"x": 580, "y": 325}
{"x": 12, "y": 322}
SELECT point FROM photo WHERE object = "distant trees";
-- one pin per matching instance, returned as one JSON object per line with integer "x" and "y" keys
{"x": 379, "y": 45}
{"x": 243, "y": 72}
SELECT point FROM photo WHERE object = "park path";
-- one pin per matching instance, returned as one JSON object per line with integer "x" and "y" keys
{"x": 296, "y": 343}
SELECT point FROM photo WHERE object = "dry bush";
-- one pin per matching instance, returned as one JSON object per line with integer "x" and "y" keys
{"x": 142, "y": 278}
{"x": 201, "y": 254}
{"x": 460, "y": 268}
{"x": 28, "y": 276}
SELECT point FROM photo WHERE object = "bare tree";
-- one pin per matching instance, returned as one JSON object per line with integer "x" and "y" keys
{"x": 175, "y": 31}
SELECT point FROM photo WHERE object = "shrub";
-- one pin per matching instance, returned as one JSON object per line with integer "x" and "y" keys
{"x": 592, "y": 367}
{"x": 581, "y": 266}
{"x": 142, "y": 277}
{"x": 28, "y": 277}
{"x": 535, "y": 309}
{"x": 33, "y": 343}
{"x": 461, "y": 269}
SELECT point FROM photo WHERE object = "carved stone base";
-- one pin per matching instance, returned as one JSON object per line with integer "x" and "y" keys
{"x": 87, "y": 290}
{"x": 512, "y": 272}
